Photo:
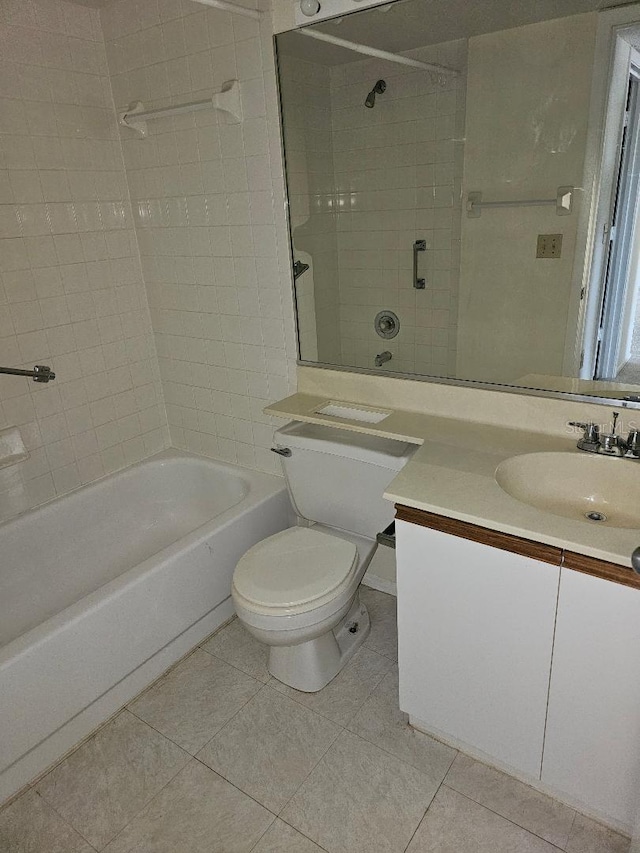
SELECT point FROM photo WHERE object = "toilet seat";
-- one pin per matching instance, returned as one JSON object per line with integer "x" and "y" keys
{"x": 294, "y": 571}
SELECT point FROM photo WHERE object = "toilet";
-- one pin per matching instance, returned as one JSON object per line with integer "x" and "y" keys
{"x": 297, "y": 591}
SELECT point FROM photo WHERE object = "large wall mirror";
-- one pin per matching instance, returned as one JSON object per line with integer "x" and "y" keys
{"x": 463, "y": 191}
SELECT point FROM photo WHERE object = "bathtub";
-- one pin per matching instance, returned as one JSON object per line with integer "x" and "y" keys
{"x": 103, "y": 589}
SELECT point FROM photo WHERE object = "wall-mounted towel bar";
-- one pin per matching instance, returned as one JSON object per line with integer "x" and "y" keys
{"x": 40, "y": 373}
{"x": 563, "y": 203}
{"x": 227, "y": 101}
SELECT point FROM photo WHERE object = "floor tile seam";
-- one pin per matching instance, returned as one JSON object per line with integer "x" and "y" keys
{"x": 512, "y": 822}
{"x": 302, "y": 705}
{"x": 573, "y": 823}
{"x": 234, "y": 785}
{"x": 426, "y": 811}
{"x": 228, "y": 663}
{"x": 452, "y": 787}
{"x": 160, "y": 679}
{"x": 392, "y": 754}
{"x": 230, "y": 720}
{"x": 145, "y": 804}
{"x": 308, "y": 837}
{"x": 382, "y": 654}
{"x": 33, "y": 784}
{"x": 260, "y": 686}
{"x": 157, "y": 794}
{"x": 401, "y": 760}
{"x": 218, "y": 630}
{"x": 64, "y": 820}
{"x": 333, "y": 742}
{"x": 366, "y": 699}
{"x": 282, "y": 695}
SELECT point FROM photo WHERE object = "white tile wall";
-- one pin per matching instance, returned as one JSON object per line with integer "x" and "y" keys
{"x": 363, "y": 185}
{"x": 306, "y": 97}
{"x": 398, "y": 169}
{"x": 209, "y": 211}
{"x": 71, "y": 290}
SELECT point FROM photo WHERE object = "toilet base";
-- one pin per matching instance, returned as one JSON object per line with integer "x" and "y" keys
{"x": 311, "y": 665}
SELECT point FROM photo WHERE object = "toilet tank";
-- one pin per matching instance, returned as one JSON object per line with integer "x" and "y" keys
{"x": 336, "y": 477}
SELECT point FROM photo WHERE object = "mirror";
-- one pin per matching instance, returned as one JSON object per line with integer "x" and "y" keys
{"x": 462, "y": 184}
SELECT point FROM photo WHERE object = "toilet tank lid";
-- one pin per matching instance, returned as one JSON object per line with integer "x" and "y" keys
{"x": 385, "y": 452}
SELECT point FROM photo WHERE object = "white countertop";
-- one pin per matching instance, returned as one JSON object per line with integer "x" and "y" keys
{"x": 452, "y": 473}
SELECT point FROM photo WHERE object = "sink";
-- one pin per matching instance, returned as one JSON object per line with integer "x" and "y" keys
{"x": 594, "y": 489}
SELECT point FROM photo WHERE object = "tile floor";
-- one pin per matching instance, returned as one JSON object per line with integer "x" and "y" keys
{"x": 217, "y": 757}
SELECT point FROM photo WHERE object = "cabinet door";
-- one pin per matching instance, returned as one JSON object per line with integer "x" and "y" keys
{"x": 475, "y": 628}
{"x": 592, "y": 745}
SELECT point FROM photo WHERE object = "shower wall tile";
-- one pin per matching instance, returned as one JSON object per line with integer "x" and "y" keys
{"x": 209, "y": 213}
{"x": 398, "y": 170}
{"x": 306, "y": 99}
{"x": 71, "y": 288}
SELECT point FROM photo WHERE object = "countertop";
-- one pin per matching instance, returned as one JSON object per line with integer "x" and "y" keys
{"x": 452, "y": 473}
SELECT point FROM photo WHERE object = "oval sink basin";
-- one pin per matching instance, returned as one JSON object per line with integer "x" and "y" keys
{"x": 582, "y": 486}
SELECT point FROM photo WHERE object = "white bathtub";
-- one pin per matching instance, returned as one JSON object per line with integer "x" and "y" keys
{"x": 103, "y": 589}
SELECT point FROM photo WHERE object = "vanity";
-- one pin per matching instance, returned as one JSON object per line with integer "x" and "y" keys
{"x": 518, "y": 620}
{"x": 463, "y": 213}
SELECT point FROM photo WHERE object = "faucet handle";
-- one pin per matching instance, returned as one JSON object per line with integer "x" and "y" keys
{"x": 591, "y": 431}
{"x": 633, "y": 442}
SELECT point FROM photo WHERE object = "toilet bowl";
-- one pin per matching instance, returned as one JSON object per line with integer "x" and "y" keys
{"x": 297, "y": 591}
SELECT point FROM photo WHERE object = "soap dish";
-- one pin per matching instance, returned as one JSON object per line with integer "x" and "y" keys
{"x": 347, "y": 412}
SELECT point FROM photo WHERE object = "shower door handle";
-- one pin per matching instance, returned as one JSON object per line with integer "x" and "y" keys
{"x": 418, "y": 246}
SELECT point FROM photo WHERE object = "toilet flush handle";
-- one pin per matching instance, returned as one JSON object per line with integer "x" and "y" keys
{"x": 281, "y": 451}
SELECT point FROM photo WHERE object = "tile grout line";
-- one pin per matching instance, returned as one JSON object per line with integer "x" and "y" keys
{"x": 333, "y": 742}
{"x": 512, "y": 822}
{"x": 575, "y": 815}
{"x": 426, "y": 811}
{"x": 144, "y": 806}
{"x": 64, "y": 820}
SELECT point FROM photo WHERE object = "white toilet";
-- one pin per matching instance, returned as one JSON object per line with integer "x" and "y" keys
{"x": 297, "y": 591}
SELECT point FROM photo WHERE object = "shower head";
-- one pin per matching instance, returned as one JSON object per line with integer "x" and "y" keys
{"x": 378, "y": 89}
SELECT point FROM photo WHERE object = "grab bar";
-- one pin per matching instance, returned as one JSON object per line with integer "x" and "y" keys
{"x": 563, "y": 202}
{"x": 418, "y": 246}
{"x": 40, "y": 373}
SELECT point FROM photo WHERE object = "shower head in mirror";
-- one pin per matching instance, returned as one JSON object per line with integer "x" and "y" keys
{"x": 378, "y": 89}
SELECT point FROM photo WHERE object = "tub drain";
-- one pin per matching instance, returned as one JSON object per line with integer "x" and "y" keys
{"x": 595, "y": 516}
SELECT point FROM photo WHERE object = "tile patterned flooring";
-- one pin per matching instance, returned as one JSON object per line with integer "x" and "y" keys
{"x": 218, "y": 757}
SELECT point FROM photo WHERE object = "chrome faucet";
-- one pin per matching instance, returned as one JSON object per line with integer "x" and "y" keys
{"x": 608, "y": 443}
{"x": 382, "y": 357}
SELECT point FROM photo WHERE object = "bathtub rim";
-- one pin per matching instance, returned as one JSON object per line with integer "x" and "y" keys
{"x": 261, "y": 486}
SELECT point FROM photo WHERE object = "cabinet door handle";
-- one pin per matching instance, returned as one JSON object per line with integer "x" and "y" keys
{"x": 418, "y": 246}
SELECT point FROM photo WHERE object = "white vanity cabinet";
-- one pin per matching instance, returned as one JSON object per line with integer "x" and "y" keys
{"x": 532, "y": 666}
{"x": 475, "y": 631}
{"x": 592, "y": 743}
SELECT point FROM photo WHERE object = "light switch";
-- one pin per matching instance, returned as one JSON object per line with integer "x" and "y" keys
{"x": 549, "y": 246}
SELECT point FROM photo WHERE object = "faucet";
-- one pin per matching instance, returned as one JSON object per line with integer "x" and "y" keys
{"x": 382, "y": 357}
{"x": 608, "y": 443}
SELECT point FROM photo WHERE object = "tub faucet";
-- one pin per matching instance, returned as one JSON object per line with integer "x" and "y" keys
{"x": 382, "y": 357}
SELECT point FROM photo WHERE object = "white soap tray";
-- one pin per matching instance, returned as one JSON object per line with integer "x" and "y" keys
{"x": 347, "y": 412}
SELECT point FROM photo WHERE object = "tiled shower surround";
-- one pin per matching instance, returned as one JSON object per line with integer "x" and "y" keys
{"x": 395, "y": 178}
{"x": 207, "y": 222}
{"x": 209, "y": 212}
{"x": 71, "y": 290}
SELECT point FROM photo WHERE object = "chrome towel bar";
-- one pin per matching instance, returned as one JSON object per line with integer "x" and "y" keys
{"x": 40, "y": 373}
